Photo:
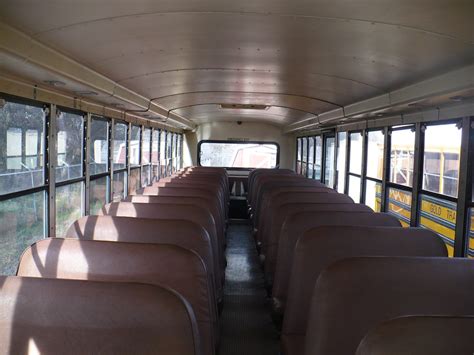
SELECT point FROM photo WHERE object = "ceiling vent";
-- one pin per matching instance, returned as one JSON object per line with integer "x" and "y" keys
{"x": 244, "y": 107}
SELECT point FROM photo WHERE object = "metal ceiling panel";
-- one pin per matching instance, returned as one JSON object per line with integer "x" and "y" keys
{"x": 311, "y": 56}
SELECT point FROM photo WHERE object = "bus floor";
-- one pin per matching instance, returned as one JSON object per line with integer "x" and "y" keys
{"x": 246, "y": 325}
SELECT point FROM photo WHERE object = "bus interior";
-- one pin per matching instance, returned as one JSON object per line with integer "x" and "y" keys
{"x": 259, "y": 177}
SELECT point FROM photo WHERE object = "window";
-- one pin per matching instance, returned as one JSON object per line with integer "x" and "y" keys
{"x": 155, "y": 155}
{"x": 341, "y": 161}
{"x": 163, "y": 153}
{"x": 134, "y": 181}
{"x": 304, "y": 165}
{"x": 120, "y": 146}
{"x": 399, "y": 205}
{"x": 375, "y": 147}
{"x": 21, "y": 147}
{"x": 298, "y": 155}
{"x": 354, "y": 188}
{"x": 169, "y": 146}
{"x": 238, "y": 155}
{"x": 69, "y": 144}
{"x": 441, "y": 159}
{"x": 135, "y": 146}
{"x": 119, "y": 187}
{"x": 402, "y": 155}
{"x": 310, "y": 172}
{"x": 146, "y": 158}
{"x": 99, "y": 147}
{"x": 69, "y": 206}
{"x": 329, "y": 162}
{"x": 98, "y": 194}
{"x": 22, "y": 222}
{"x": 373, "y": 195}
{"x": 179, "y": 164}
{"x": 440, "y": 216}
{"x": 318, "y": 158}
{"x": 355, "y": 162}
{"x": 355, "y": 165}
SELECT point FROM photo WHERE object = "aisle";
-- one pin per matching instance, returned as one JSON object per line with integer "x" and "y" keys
{"x": 246, "y": 325}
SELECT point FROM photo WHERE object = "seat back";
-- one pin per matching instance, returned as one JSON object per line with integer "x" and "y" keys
{"x": 352, "y": 296}
{"x": 285, "y": 203}
{"x": 194, "y": 200}
{"x": 130, "y": 262}
{"x": 192, "y": 213}
{"x": 296, "y": 224}
{"x": 319, "y": 247}
{"x": 183, "y": 233}
{"x": 189, "y": 192}
{"x": 51, "y": 316}
{"x": 420, "y": 335}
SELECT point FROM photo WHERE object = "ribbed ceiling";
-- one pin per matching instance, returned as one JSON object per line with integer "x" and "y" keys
{"x": 303, "y": 57}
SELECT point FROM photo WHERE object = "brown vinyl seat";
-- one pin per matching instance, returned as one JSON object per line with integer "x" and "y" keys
{"x": 294, "y": 227}
{"x": 261, "y": 180}
{"x": 271, "y": 189}
{"x": 318, "y": 248}
{"x": 420, "y": 335}
{"x": 180, "y": 232}
{"x": 352, "y": 296}
{"x": 192, "y": 213}
{"x": 179, "y": 269}
{"x": 253, "y": 181}
{"x": 177, "y": 191}
{"x": 272, "y": 218}
{"x": 194, "y": 200}
{"x": 51, "y": 316}
{"x": 270, "y": 186}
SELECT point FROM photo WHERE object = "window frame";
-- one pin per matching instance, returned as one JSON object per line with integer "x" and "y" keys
{"x": 218, "y": 141}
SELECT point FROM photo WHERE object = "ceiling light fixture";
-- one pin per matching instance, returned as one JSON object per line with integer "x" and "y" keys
{"x": 86, "y": 93}
{"x": 54, "y": 83}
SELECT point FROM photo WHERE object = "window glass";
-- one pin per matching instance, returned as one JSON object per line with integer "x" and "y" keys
{"x": 21, "y": 169}
{"x": 155, "y": 155}
{"x": 180, "y": 151}
{"x": 355, "y": 160}
{"x": 402, "y": 157}
{"x": 14, "y": 145}
{"x": 304, "y": 165}
{"x": 310, "y": 169}
{"x": 373, "y": 195}
{"x": 354, "y": 188}
{"x": 99, "y": 148}
{"x": 439, "y": 216}
{"x": 441, "y": 159}
{"x": 175, "y": 150}
{"x": 118, "y": 191}
{"x": 341, "y": 161}
{"x": 169, "y": 144}
{"x": 470, "y": 249}
{"x": 22, "y": 222}
{"x": 98, "y": 194}
{"x": 145, "y": 177}
{"x": 163, "y": 153}
{"x": 318, "y": 160}
{"x": 135, "y": 146}
{"x": 399, "y": 205}
{"x": 70, "y": 132}
{"x": 120, "y": 146}
{"x": 329, "y": 162}
{"x": 298, "y": 154}
{"x": 146, "y": 146}
{"x": 375, "y": 146}
{"x": 134, "y": 181}
{"x": 238, "y": 155}
{"x": 69, "y": 206}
